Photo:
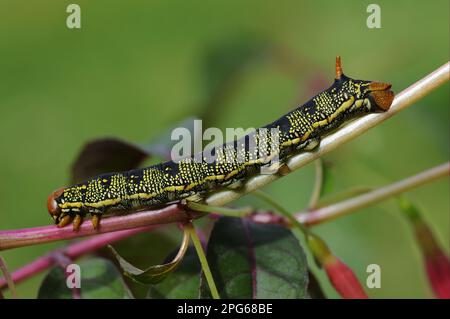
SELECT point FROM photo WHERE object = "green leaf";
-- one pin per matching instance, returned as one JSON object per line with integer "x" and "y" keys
{"x": 251, "y": 260}
{"x": 183, "y": 283}
{"x": 152, "y": 274}
{"x": 131, "y": 250}
{"x": 99, "y": 279}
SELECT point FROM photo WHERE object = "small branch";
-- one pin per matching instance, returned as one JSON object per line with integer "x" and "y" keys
{"x": 8, "y": 278}
{"x": 38, "y": 235}
{"x": 201, "y": 255}
{"x": 345, "y": 134}
{"x": 72, "y": 251}
{"x": 263, "y": 217}
{"x": 347, "y": 206}
{"x": 318, "y": 183}
{"x": 174, "y": 213}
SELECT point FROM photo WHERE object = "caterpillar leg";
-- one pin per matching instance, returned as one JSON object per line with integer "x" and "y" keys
{"x": 77, "y": 221}
{"x": 65, "y": 221}
{"x": 310, "y": 144}
{"x": 95, "y": 220}
{"x": 283, "y": 170}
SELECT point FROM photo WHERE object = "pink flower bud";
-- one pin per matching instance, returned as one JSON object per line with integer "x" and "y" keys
{"x": 437, "y": 264}
{"x": 438, "y": 270}
{"x": 344, "y": 280}
{"x": 341, "y": 276}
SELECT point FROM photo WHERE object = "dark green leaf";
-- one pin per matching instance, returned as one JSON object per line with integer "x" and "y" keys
{"x": 106, "y": 155}
{"x": 152, "y": 274}
{"x": 250, "y": 260}
{"x": 99, "y": 279}
{"x": 183, "y": 283}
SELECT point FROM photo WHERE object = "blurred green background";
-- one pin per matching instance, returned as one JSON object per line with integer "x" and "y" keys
{"x": 136, "y": 68}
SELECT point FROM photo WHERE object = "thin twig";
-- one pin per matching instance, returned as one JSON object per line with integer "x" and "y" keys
{"x": 203, "y": 261}
{"x": 38, "y": 235}
{"x": 345, "y": 134}
{"x": 174, "y": 213}
{"x": 347, "y": 206}
{"x": 8, "y": 278}
{"x": 263, "y": 217}
{"x": 318, "y": 184}
{"x": 72, "y": 251}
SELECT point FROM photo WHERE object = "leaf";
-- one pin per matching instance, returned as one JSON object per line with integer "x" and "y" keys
{"x": 106, "y": 155}
{"x": 183, "y": 283}
{"x": 99, "y": 279}
{"x": 152, "y": 274}
{"x": 111, "y": 154}
{"x": 131, "y": 250}
{"x": 251, "y": 260}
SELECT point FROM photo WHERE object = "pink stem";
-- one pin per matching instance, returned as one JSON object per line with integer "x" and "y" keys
{"x": 38, "y": 235}
{"x": 72, "y": 251}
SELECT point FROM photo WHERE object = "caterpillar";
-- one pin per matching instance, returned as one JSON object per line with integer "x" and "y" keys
{"x": 233, "y": 162}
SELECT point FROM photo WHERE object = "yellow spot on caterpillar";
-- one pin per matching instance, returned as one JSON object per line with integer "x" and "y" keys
{"x": 71, "y": 205}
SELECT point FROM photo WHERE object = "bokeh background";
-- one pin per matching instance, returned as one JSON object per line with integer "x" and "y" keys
{"x": 137, "y": 68}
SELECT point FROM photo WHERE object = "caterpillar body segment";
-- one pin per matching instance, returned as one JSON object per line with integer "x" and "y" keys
{"x": 227, "y": 165}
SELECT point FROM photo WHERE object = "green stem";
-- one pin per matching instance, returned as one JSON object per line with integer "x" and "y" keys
{"x": 318, "y": 184}
{"x": 203, "y": 261}
{"x": 203, "y": 208}
{"x": 294, "y": 222}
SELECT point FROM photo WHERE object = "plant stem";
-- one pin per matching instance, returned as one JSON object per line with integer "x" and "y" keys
{"x": 240, "y": 212}
{"x": 290, "y": 217}
{"x": 333, "y": 211}
{"x": 318, "y": 183}
{"x": 174, "y": 213}
{"x": 345, "y": 134}
{"x": 309, "y": 219}
{"x": 8, "y": 278}
{"x": 203, "y": 261}
{"x": 342, "y": 195}
{"x": 38, "y": 235}
{"x": 72, "y": 251}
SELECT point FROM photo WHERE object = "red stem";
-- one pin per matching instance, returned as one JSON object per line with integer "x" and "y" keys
{"x": 72, "y": 251}
{"x": 38, "y": 235}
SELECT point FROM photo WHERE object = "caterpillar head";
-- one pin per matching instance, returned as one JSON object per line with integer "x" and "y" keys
{"x": 53, "y": 207}
{"x": 369, "y": 96}
{"x": 63, "y": 204}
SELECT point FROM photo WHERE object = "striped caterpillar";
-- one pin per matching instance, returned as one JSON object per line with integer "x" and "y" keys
{"x": 190, "y": 179}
